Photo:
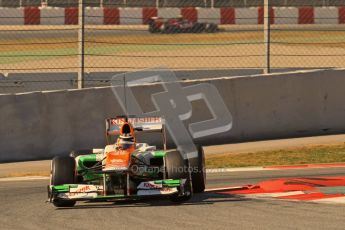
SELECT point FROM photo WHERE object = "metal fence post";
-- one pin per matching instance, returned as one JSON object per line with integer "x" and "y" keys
{"x": 81, "y": 44}
{"x": 267, "y": 36}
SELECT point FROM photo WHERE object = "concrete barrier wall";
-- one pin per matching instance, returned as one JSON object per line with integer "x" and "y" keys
{"x": 42, "y": 125}
{"x": 11, "y": 16}
{"x": 140, "y": 16}
{"x": 111, "y": 16}
{"x": 341, "y": 13}
{"x": 227, "y": 16}
{"x": 286, "y": 15}
{"x": 48, "y": 124}
{"x": 29, "y": 82}
{"x": 168, "y": 12}
{"x": 209, "y": 15}
{"x": 94, "y": 16}
{"x": 325, "y": 15}
{"x": 32, "y": 16}
{"x": 131, "y": 16}
{"x": 52, "y": 16}
{"x": 246, "y": 16}
{"x": 306, "y": 15}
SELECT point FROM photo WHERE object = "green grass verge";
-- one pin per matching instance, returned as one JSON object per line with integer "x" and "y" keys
{"x": 305, "y": 155}
{"x": 55, "y": 53}
{"x": 7, "y": 57}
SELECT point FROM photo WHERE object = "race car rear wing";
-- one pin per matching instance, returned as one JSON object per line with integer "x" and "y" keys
{"x": 139, "y": 124}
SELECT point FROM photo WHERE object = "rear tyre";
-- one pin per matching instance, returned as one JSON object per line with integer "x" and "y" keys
{"x": 212, "y": 28}
{"x": 63, "y": 172}
{"x": 199, "y": 28}
{"x": 177, "y": 168}
{"x": 168, "y": 29}
{"x": 198, "y": 171}
{"x": 153, "y": 29}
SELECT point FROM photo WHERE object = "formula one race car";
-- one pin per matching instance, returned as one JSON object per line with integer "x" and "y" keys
{"x": 125, "y": 169}
{"x": 180, "y": 25}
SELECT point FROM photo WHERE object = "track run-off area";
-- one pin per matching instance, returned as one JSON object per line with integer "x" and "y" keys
{"x": 298, "y": 197}
{"x": 245, "y": 199}
{"x": 28, "y": 49}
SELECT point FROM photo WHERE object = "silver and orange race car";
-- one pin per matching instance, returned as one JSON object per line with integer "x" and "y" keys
{"x": 126, "y": 169}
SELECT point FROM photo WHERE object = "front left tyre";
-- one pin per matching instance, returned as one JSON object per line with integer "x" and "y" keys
{"x": 63, "y": 170}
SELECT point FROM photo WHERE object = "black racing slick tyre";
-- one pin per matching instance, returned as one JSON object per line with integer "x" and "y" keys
{"x": 180, "y": 199}
{"x": 152, "y": 29}
{"x": 168, "y": 29}
{"x": 63, "y": 172}
{"x": 198, "y": 171}
{"x": 212, "y": 28}
{"x": 199, "y": 28}
{"x": 175, "y": 165}
{"x": 177, "y": 168}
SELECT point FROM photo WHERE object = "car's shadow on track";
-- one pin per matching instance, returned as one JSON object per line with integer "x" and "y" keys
{"x": 207, "y": 198}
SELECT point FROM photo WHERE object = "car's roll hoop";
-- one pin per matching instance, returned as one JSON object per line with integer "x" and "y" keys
{"x": 139, "y": 125}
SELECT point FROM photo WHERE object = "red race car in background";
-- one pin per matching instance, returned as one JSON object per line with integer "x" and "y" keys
{"x": 180, "y": 25}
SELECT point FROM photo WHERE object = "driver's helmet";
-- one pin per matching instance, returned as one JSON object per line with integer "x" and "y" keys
{"x": 125, "y": 141}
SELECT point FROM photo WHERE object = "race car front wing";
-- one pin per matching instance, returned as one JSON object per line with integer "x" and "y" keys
{"x": 80, "y": 192}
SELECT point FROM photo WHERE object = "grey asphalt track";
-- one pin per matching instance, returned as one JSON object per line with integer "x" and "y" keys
{"x": 23, "y": 207}
{"x": 50, "y": 31}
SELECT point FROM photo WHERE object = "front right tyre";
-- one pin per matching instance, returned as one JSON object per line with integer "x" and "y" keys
{"x": 63, "y": 170}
